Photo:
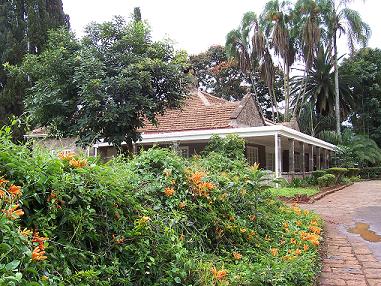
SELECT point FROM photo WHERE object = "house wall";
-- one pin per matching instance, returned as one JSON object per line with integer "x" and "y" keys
{"x": 57, "y": 145}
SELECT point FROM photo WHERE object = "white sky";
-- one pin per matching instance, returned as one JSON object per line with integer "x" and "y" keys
{"x": 193, "y": 25}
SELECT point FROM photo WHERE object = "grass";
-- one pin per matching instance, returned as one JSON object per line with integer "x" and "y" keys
{"x": 292, "y": 192}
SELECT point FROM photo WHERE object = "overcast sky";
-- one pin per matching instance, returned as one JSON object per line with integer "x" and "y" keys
{"x": 193, "y": 25}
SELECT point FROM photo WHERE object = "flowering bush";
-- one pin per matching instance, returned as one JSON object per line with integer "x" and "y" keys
{"x": 156, "y": 219}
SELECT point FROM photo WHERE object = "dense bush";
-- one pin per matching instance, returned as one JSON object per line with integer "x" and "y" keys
{"x": 154, "y": 220}
{"x": 232, "y": 146}
{"x": 352, "y": 172}
{"x": 339, "y": 173}
{"x": 326, "y": 180}
{"x": 318, "y": 173}
{"x": 370, "y": 173}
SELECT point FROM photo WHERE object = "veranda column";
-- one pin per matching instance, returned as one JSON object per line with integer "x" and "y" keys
{"x": 327, "y": 158}
{"x": 291, "y": 156}
{"x": 318, "y": 165}
{"x": 303, "y": 162}
{"x": 311, "y": 159}
{"x": 278, "y": 155}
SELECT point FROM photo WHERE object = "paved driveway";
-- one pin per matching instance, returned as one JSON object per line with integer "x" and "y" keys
{"x": 353, "y": 235}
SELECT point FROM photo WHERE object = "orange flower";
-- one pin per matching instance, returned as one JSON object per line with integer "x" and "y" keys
{"x": 315, "y": 229}
{"x": 13, "y": 212}
{"x": 306, "y": 212}
{"x": 26, "y": 232}
{"x": 67, "y": 156}
{"x": 14, "y": 190}
{"x": 298, "y": 251}
{"x": 3, "y": 181}
{"x": 197, "y": 177}
{"x": 39, "y": 239}
{"x": 242, "y": 230}
{"x": 77, "y": 163}
{"x": 208, "y": 185}
{"x": 285, "y": 225}
{"x": 237, "y": 255}
{"x": 293, "y": 240}
{"x": 298, "y": 223}
{"x": 314, "y": 222}
{"x": 219, "y": 274}
{"x": 305, "y": 247}
{"x": 315, "y": 242}
{"x": 169, "y": 192}
{"x": 274, "y": 251}
{"x": 2, "y": 194}
{"x": 38, "y": 254}
{"x": 182, "y": 205}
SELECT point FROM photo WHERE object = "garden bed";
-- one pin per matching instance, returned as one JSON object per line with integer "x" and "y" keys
{"x": 306, "y": 195}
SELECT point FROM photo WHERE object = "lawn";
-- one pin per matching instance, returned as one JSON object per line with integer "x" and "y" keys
{"x": 292, "y": 192}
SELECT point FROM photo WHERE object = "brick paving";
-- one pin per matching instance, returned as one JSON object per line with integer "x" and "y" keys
{"x": 349, "y": 259}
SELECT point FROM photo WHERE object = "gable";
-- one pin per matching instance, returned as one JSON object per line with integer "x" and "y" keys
{"x": 248, "y": 113}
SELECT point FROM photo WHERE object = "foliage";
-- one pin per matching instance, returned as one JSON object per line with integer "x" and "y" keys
{"x": 353, "y": 150}
{"x": 232, "y": 147}
{"x": 106, "y": 85}
{"x": 353, "y": 172}
{"x": 319, "y": 173}
{"x": 370, "y": 172}
{"x": 339, "y": 173}
{"x": 24, "y": 26}
{"x": 290, "y": 192}
{"x": 222, "y": 77}
{"x": 157, "y": 219}
{"x": 326, "y": 180}
{"x": 364, "y": 67}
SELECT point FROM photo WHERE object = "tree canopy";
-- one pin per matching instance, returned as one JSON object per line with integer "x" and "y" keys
{"x": 106, "y": 85}
{"x": 24, "y": 26}
{"x": 364, "y": 69}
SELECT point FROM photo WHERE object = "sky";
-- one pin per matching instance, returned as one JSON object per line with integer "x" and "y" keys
{"x": 194, "y": 25}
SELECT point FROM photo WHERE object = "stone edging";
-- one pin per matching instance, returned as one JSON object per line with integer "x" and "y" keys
{"x": 319, "y": 196}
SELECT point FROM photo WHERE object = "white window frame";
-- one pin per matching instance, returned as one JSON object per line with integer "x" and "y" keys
{"x": 270, "y": 161}
{"x": 252, "y": 154}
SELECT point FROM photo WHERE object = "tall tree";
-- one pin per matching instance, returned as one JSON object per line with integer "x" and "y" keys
{"x": 24, "y": 26}
{"x": 105, "y": 86}
{"x": 364, "y": 69}
{"x": 253, "y": 54}
{"x": 339, "y": 20}
{"x": 276, "y": 20}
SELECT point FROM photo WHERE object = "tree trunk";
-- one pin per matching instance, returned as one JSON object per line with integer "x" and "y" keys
{"x": 286, "y": 92}
{"x": 337, "y": 92}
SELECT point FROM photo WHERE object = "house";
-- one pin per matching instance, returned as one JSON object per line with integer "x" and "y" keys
{"x": 280, "y": 148}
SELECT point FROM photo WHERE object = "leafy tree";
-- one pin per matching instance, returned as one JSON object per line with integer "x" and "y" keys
{"x": 353, "y": 150}
{"x": 364, "y": 68}
{"x": 219, "y": 75}
{"x": 104, "y": 86}
{"x": 222, "y": 77}
{"x": 24, "y": 26}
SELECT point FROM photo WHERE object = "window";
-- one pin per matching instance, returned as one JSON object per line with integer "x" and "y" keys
{"x": 252, "y": 154}
{"x": 270, "y": 161}
{"x": 183, "y": 151}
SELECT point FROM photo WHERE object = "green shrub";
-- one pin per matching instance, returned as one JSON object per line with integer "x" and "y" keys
{"x": 352, "y": 172}
{"x": 370, "y": 173}
{"x": 326, "y": 180}
{"x": 318, "y": 173}
{"x": 232, "y": 146}
{"x": 157, "y": 219}
{"x": 339, "y": 173}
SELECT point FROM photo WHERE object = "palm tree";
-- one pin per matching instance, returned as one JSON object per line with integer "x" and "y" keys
{"x": 320, "y": 87}
{"x": 276, "y": 20}
{"x": 307, "y": 28}
{"x": 338, "y": 19}
{"x": 252, "y": 55}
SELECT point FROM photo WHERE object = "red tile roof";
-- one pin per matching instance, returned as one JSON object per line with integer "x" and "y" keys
{"x": 200, "y": 111}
